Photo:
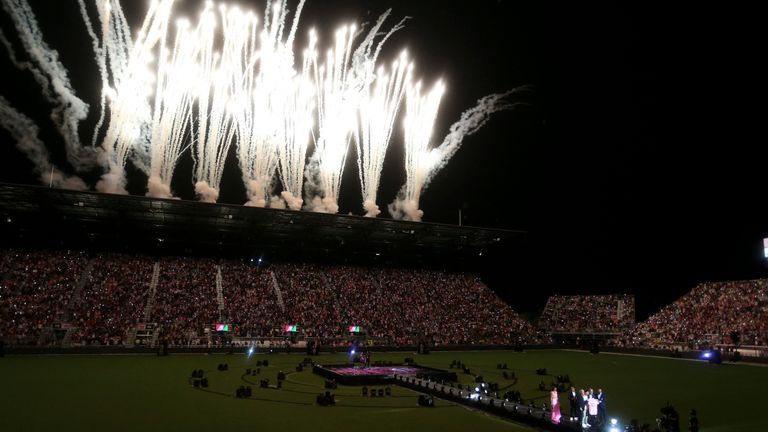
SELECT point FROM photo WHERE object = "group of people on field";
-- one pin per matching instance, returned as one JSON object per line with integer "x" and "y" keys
{"x": 586, "y": 406}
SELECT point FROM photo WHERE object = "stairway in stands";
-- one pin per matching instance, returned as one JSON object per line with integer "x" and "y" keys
{"x": 278, "y": 293}
{"x": 130, "y": 338}
{"x": 219, "y": 291}
{"x": 152, "y": 292}
{"x": 375, "y": 277}
{"x": 66, "y": 342}
{"x": 66, "y": 316}
{"x": 77, "y": 292}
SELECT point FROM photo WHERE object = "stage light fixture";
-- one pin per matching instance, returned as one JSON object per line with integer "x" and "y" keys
{"x": 614, "y": 426}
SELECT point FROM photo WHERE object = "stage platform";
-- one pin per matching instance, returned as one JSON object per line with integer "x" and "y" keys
{"x": 355, "y": 374}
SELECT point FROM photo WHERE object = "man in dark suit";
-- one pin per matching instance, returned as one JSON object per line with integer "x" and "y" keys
{"x": 601, "y": 407}
{"x": 573, "y": 401}
{"x": 583, "y": 415}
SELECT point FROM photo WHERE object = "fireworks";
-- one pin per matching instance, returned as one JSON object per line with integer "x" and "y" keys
{"x": 232, "y": 78}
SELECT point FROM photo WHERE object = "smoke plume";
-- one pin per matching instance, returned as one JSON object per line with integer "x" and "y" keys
{"x": 25, "y": 132}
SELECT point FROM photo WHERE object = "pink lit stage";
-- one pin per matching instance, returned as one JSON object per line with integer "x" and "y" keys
{"x": 379, "y": 370}
{"x": 349, "y": 374}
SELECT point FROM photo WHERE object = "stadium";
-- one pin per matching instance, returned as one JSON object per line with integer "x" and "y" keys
{"x": 312, "y": 274}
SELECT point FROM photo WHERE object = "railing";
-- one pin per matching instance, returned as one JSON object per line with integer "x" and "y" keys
{"x": 754, "y": 351}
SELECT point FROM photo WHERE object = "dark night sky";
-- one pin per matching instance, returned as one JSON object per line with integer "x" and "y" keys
{"x": 637, "y": 166}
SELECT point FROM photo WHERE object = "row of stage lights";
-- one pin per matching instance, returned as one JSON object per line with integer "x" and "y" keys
{"x": 480, "y": 395}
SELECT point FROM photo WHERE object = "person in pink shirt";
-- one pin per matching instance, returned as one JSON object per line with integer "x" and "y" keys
{"x": 592, "y": 405}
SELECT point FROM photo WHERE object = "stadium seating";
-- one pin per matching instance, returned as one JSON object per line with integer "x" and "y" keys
{"x": 35, "y": 288}
{"x": 393, "y": 306}
{"x": 113, "y": 299}
{"x": 101, "y": 299}
{"x": 710, "y": 310}
{"x": 588, "y": 313}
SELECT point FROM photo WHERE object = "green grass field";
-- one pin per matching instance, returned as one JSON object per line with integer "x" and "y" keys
{"x": 135, "y": 392}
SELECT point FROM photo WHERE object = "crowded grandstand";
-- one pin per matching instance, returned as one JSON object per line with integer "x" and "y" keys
{"x": 70, "y": 298}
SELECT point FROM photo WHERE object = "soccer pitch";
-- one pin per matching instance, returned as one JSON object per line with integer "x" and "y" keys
{"x": 142, "y": 392}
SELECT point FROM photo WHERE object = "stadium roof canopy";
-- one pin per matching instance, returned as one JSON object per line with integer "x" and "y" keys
{"x": 39, "y": 216}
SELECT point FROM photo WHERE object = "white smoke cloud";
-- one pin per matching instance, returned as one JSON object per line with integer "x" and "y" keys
{"x": 276, "y": 202}
{"x": 313, "y": 186}
{"x": 113, "y": 181}
{"x": 330, "y": 204}
{"x": 25, "y": 131}
{"x": 157, "y": 189}
{"x": 371, "y": 209}
{"x": 205, "y": 192}
{"x": 58, "y": 179}
{"x": 405, "y": 209}
{"x": 293, "y": 202}
{"x": 321, "y": 205}
{"x": 255, "y": 193}
{"x": 141, "y": 155}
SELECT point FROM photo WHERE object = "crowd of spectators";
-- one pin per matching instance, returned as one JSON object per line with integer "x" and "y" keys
{"x": 734, "y": 312}
{"x": 113, "y": 299}
{"x": 309, "y": 299}
{"x": 35, "y": 288}
{"x": 588, "y": 313}
{"x": 398, "y": 306}
{"x": 391, "y": 306}
{"x": 250, "y": 301}
{"x": 186, "y": 301}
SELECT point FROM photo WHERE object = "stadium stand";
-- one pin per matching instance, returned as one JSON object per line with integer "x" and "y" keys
{"x": 249, "y": 300}
{"x": 588, "y": 313}
{"x": 70, "y": 299}
{"x": 394, "y": 306}
{"x": 113, "y": 300}
{"x": 35, "y": 289}
{"x": 710, "y": 313}
{"x": 186, "y": 299}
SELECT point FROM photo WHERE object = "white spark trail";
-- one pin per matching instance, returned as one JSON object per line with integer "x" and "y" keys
{"x": 470, "y": 122}
{"x": 214, "y": 128}
{"x": 342, "y": 82}
{"x": 378, "y": 110}
{"x": 292, "y": 107}
{"x": 176, "y": 86}
{"x": 296, "y": 127}
{"x": 423, "y": 165}
{"x": 130, "y": 92}
{"x": 224, "y": 81}
{"x": 337, "y": 101}
{"x": 419, "y": 123}
{"x": 268, "y": 112}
